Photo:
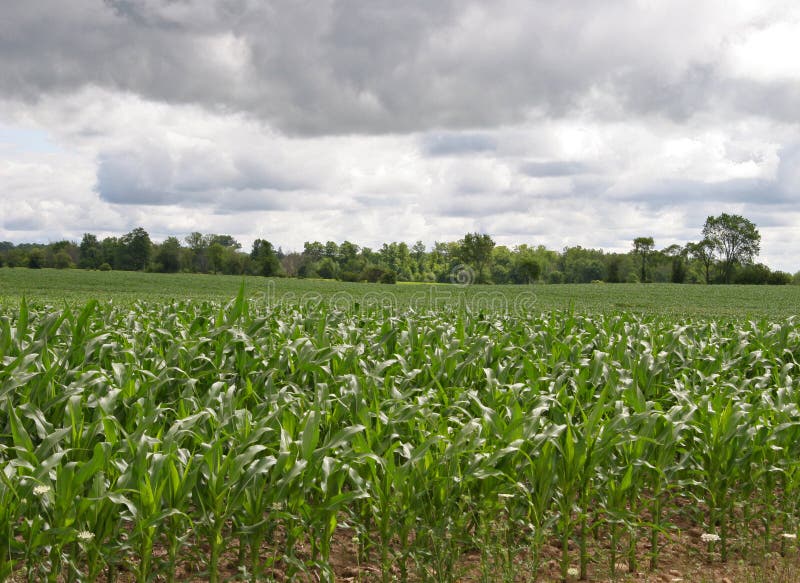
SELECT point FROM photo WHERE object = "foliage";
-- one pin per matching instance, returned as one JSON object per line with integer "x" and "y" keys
{"x": 734, "y": 238}
{"x": 36, "y": 259}
{"x": 90, "y": 252}
{"x": 703, "y": 251}
{"x": 475, "y": 254}
{"x": 476, "y": 250}
{"x": 133, "y": 251}
{"x": 264, "y": 257}
{"x": 168, "y": 256}
{"x": 643, "y": 247}
{"x": 269, "y": 428}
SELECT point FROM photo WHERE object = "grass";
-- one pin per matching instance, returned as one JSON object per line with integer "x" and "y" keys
{"x": 76, "y": 287}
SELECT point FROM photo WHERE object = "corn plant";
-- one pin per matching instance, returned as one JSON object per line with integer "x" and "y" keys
{"x": 131, "y": 436}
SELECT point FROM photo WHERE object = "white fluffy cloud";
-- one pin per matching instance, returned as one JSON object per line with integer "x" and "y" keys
{"x": 560, "y": 124}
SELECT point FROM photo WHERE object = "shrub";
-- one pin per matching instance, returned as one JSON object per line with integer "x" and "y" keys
{"x": 62, "y": 260}
{"x": 36, "y": 259}
{"x": 779, "y": 278}
{"x": 372, "y": 273}
{"x": 388, "y": 276}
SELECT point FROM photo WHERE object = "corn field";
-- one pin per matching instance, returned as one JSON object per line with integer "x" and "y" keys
{"x": 155, "y": 440}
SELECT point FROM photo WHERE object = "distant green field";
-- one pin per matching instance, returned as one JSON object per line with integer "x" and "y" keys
{"x": 77, "y": 287}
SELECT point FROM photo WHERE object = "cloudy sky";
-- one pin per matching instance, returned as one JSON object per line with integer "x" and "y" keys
{"x": 559, "y": 123}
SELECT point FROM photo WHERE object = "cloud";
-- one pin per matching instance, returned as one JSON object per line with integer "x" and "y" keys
{"x": 788, "y": 173}
{"x": 196, "y": 172}
{"x": 456, "y": 144}
{"x": 577, "y": 123}
{"x": 343, "y": 66}
{"x": 555, "y": 168}
{"x": 683, "y": 192}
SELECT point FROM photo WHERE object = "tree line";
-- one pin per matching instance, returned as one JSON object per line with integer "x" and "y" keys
{"x": 725, "y": 253}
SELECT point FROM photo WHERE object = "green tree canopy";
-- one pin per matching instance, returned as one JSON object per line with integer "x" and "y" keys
{"x": 168, "y": 256}
{"x": 475, "y": 249}
{"x": 734, "y": 238}
{"x": 643, "y": 246}
{"x": 134, "y": 251}
{"x": 265, "y": 258}
{"x": 91, "y": 253}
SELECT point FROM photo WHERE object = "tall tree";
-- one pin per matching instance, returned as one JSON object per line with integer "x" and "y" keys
{"x": 168, "y": 256}
{"x": 36, "y": 258}
{"x": 90, "y": 252}
{"x": 418, "y": 254}
{"x": 109, "y": 252}
{"x": 703, "y": 252}
{"x": 198, "y": 245}
{"x": 291, "y": 263}
{"x": 735, "y": 238}
{"x": 216, "y": 252}
{"x": 135, "y": 250}
{"x": 224, "y": 240}
{"x": 526, "y": 268}
{"x": 314, "y": 250}
{"x": 678, "y": 268}
{"x": 643, "y": 246}
{"x": 265, "y": 259}
{"x": 475, "y": 249}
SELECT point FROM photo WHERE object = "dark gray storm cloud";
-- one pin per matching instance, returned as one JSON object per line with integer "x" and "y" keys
{"x": 345, "y": 66}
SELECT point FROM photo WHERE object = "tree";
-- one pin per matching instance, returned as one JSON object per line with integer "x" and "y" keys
{"x": 224, "y": 240}
{"x": 703, "y": 252}
{"x": 234, "y": 262}
{"x": 291, "y": 263}
{"x": 678, "y": 268}
{"x": 476, "y": 250}
{"x": 136, "y": 248}
{"x": 36, "y": 259}
{"x": 579, "y": 265}
{"x": 526, "y": 268}
{"x": 397, "y": 257}
{"x": 327, "y": 268}
{"x": 348, "y": 251}
{"x": 168, "y": 256}
{"x": 418, "y": 254}
{"x": 62, "y": 260}
{"x": 216, "y": 252}
{"x": 91, "y": 253}
{"x": 331, "y": 250}
{"x": 735, "y": 238}
{"x": 109, "y": 251}
{"x": 503, "y": 265}
{"x": 314, "y": 250}
{"x": 643, "y": 246}
{"x": 198, "y": 245}
{"x": 265, "y": 259}
{"x": 614, "y": 268}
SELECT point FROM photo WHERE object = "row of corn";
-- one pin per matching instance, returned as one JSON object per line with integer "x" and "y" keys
{"x": 158, "y": 440}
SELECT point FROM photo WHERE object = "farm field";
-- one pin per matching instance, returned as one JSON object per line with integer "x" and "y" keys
{"x": 75, "y": 287}
{"x": 277, "y": 437}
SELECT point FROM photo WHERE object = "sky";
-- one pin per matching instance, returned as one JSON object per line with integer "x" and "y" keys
{"x": 565, "y": 123}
